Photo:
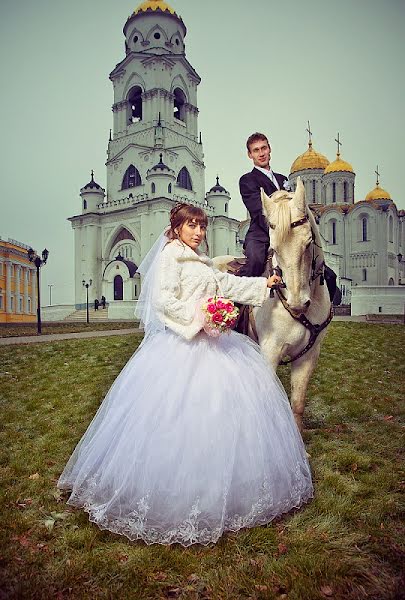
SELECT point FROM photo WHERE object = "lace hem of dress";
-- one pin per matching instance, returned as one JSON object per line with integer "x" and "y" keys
{"x": 191, "y": 530}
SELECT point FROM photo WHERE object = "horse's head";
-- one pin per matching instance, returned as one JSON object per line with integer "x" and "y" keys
{"x": 291, "y": 239}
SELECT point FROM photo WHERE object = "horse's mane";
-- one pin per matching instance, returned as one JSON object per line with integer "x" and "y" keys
{"x": 281, "y": 214}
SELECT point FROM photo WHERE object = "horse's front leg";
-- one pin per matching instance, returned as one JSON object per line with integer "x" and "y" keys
{"x": 301, "y": 371}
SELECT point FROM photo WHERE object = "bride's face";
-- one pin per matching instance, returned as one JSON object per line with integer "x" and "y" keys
{"x": 192, "y": 233}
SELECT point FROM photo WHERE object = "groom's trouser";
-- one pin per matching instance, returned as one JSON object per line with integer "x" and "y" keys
{"x": 256, "y": 253}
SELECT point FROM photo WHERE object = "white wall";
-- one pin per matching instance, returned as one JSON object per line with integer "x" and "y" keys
{"x": 384, "y": 299}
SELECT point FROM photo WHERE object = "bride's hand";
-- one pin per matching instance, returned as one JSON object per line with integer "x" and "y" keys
{"x": 274, "y": 279}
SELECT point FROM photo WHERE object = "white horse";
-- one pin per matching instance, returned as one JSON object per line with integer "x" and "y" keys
{"x": 293, "y": 322}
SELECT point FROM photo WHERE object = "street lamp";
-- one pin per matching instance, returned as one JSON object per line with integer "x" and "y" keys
{"x": 38, "y": 262}
{"x": 87, "y": 285}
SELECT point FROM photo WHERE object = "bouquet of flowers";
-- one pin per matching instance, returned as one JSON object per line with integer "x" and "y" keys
{"x": 220, "y": 315}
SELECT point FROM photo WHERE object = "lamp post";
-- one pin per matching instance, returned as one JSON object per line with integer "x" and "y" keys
{"x": 38, "y": 262}
{"x": 87, "y": 285}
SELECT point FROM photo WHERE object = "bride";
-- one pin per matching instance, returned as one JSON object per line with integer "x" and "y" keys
{"x": 196, "y": 436}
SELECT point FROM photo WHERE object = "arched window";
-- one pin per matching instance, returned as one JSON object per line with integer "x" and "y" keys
{"x": 314, "y": 190}
{"x": 364, "y": 232}
{"x": 345, "y": 191}
{"x": 184, "y": 179}
{"x": 226, "y": 207}
{"x": 391, "y": 281}
{"x": 334, "y": 191}
{"x": 153, "y": 187}
{"x": 390, "y": 229}
{"x": 333, "y": 234}
{"x": 131, "y": 178}
{"x": 179, "y": 102}
{"x": 118, "y": 288}
{"x": 84, "y": 204}
{"x": 169, "y": 188}
{"x": 364, "y": 274}
{"x": 135, "y": 105}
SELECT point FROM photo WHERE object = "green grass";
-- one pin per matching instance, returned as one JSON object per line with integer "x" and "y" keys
{"x": 63, "y": 327}
{"x": 346, "y": 544}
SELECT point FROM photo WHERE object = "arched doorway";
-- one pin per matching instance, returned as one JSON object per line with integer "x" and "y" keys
{"x": 118, "y": 288}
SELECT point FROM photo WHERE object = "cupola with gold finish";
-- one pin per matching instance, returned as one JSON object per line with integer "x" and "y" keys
{"x": 378, "y": 193}
{"x": 338, "y": 180}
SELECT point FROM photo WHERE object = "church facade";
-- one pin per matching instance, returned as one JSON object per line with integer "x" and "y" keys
{"x": 154, "y": 160}
{"x": 363, "y": 240}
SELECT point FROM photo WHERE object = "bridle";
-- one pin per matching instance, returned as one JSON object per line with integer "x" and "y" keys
{"x": 313, "y": 328}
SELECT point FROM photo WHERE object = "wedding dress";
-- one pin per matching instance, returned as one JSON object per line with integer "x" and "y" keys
{"x": 194, "y": 438}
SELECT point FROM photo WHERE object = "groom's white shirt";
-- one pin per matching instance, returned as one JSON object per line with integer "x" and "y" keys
{"x": 269, "y": 173}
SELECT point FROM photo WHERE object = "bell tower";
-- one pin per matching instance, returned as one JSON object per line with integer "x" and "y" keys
{"x": 155, "y": 108}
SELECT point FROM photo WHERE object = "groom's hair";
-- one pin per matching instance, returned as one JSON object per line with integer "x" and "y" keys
{"x": 256, "y": 137}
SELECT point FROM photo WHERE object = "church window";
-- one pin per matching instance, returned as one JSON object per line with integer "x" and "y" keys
{"x": 177, "y": 42}
{"x": 345, "y": 198}
{"x": 29, "y": 305}
{"x": 391, "y": 281}
{"x": 153, "y": 186}
{"x": 390, "y": 229}
{"x": 20, "y": 305}
{"x": 84, "y": 204}
{"x": 364, "y": 274}
{"x": 179, "y": 105}
{"x": 135, "y": 105}
{"x": 334, "y": 191}
{"x": 136, "y": 38}
{"x": 184, "y": 179}
{"x": 12, "y": 302}
{"x": 226, "y": 207}
{"x": 364, "y": 227}
{"x": 118, "y": 288}
{"x": 333, "y": 232}
{"x": 156, "y": 35}
{"x": 169, "y": 188}
{"x": 132, "y": 178}
{"x": 313, "y": 190}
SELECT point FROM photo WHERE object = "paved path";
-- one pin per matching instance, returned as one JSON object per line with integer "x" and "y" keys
{"x": 55, "y": 337}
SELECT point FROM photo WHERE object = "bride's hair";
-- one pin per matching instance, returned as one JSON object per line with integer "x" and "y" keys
{"x": 185, "y": 213}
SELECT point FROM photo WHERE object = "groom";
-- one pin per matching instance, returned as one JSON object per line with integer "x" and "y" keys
{"x": 257, "y": 239}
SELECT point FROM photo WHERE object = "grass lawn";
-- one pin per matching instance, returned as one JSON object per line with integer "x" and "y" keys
{"x": 63, "y": 327}
{"x": 346, "y": 544}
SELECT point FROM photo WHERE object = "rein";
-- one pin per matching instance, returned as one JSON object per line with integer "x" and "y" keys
{"x": 313, "y": 328}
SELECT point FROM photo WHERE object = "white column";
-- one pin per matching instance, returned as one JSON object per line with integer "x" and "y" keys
{"x": 17, "y": 288}
{"x": 8, "y": 286}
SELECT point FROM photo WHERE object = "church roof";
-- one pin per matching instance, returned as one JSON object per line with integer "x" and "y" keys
{"x": 160, "y": 166}
{"x": 338, "y": 165}
{"x": 154, "y": 5}
{"x": 378, "y": 193}
{"x": 310, "y": 159}
{"x": 92, "y": 184}
{"x": 218, "y": 188}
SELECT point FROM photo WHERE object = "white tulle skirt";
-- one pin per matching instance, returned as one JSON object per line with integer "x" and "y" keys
{"x": 192, "y": 440}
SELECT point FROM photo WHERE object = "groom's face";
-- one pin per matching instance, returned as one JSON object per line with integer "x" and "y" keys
{"x": 259, "y": 152}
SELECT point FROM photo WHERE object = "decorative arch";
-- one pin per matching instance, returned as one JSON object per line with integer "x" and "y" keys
{"x": 179, "y": 108}
{"x": 177, "y": 36}
{"x": 134, "y": 80}
{"x": 156, "y": 29}
{"x": 184, "y": 179}
{"x": 391, "y": 281}
{"x": 136, "y": 38}
{"x": 124, "y": 234}
{"x": 180, "y": 82}
{"x": 135, "y": 104}
{"x": 121, "y": 234}
{"x": 131, "y": 178}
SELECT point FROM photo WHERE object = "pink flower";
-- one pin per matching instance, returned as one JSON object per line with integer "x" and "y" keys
{"x": 217, "y": 317}
{"x": 229, "y": 307}
{"x": 232, "y": 322}
{"x": 211, "y": 308}
{"x": 221, "y": 305}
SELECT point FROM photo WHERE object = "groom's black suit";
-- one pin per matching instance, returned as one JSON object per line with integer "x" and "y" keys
{"x": 257, "y": 238}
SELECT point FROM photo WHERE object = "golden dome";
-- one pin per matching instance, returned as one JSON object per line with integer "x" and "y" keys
{"x": 311, "y": 159}
{"x": 339, "y": 165}
{"x": 378, "y": 194}
{"x": 154, "y": 5}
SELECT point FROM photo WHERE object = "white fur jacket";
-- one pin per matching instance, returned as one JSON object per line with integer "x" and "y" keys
{"x": 187, "y": 278}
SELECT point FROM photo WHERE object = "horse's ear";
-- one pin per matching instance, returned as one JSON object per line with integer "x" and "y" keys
{"x": 266, "y": 202}
{"x": 299, "y": 196}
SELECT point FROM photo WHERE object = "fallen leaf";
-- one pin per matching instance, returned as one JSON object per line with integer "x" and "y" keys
{"x": 49, "y": 523}
{"x": 34, "y": 476}
{"x": 261, "y": 588}
{"x": 282, "y": 549}
{"x": 327, "y": 591}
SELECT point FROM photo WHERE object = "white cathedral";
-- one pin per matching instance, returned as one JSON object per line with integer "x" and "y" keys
{"x": 155, "y": 159}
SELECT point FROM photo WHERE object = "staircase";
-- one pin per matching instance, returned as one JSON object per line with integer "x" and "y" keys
{"x": 95, "y": 316}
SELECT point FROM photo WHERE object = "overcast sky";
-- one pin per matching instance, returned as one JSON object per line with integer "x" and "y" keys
{"x": 267, "y": 66}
